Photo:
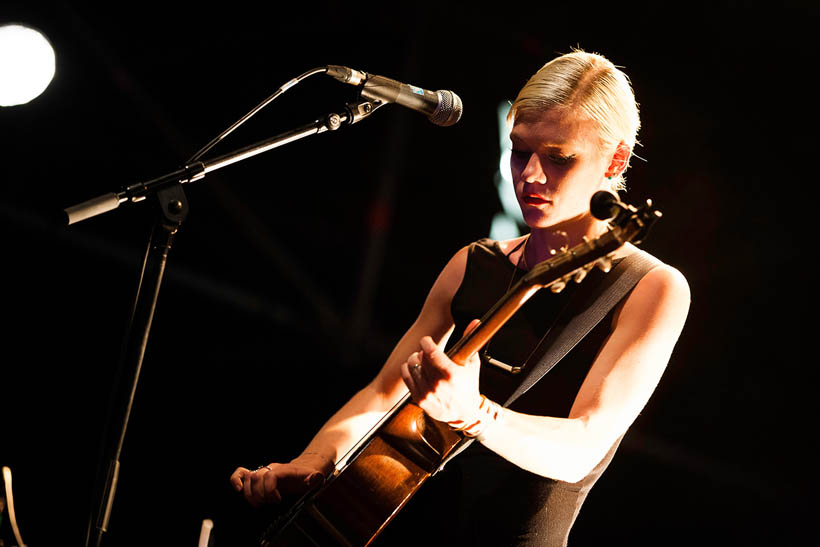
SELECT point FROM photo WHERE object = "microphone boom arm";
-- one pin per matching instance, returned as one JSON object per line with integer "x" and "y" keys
{"x": 353, "y": 113}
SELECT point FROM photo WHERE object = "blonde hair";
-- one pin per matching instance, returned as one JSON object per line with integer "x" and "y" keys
{"x": 589, "y": 85}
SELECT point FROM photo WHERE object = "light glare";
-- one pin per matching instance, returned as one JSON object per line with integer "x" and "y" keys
{"x": 27, "y": 64}
{"x": 505, "y": 224}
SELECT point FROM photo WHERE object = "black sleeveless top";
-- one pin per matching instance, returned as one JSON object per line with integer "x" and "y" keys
{"x": 480, "y": 498}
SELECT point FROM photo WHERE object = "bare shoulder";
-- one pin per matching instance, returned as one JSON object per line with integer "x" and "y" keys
{"x": 433, "y": 320}
{"x": 665, "y": 281}
{"x": 660, "y": 300}
{"x": 451, "y": 276}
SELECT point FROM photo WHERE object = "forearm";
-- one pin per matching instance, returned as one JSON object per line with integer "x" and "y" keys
{"x": 364, "y": 410}
{"x": 615, "y": 390}
{"x": 559, "y": 448}
{"x": 348, "y": 425}
{"x": 270, "y": 483}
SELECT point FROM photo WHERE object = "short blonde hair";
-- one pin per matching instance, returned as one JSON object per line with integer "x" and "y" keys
{"x": 589, "y": 85}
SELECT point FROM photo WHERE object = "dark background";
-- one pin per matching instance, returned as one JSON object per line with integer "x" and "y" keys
{"x": 296, "y": 271}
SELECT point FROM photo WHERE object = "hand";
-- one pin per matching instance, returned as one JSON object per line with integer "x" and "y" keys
{"x": 445, "y": 390}
{"x": 270, "y": 483}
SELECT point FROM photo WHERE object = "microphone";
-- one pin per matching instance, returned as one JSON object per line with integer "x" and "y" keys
{"x": 441, "y": 107}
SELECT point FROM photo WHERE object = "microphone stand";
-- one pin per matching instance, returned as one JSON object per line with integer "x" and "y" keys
{"x": 173, "y": 209}
{"x": 195, "y": 171}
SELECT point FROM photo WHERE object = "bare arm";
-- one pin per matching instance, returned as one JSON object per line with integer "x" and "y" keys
{"x": 618, "y": 385}
{"x": 352, "y": 422}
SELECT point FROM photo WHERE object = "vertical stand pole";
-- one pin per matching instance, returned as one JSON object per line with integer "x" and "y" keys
{"x": 173, "y": 210}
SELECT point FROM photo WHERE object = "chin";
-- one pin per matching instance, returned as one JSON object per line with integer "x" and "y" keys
{"x": 535, "y": 221}
{"x": 540, "y": 220}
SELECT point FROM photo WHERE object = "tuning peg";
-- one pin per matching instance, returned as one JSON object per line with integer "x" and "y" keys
{"x": 579, "y": 275}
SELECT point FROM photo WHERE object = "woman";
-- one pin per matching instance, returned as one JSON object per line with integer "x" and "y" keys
{"x": 574, "y": 126}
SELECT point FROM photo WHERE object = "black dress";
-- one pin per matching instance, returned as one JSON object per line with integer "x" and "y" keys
{"x": 480, "y": 498}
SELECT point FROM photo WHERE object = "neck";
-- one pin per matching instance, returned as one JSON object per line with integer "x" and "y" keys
{"x": 545, "y": 243}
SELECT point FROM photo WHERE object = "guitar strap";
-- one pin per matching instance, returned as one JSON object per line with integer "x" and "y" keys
{"x": 572, "y": 328}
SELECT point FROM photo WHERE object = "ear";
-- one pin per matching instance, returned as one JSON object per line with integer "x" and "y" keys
{"x": 620, "y": 160}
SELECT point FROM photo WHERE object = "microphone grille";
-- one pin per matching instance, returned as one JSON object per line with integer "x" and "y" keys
{"x": 449, "y": 109}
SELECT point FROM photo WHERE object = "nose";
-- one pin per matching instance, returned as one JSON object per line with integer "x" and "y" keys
{"x": 533, "y": 172}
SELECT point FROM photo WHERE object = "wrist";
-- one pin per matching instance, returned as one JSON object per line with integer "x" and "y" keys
{"x": 486, "y": 416}
{"x": 317, "y": 460}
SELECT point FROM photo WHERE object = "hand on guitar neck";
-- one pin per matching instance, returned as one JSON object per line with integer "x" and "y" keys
{"x": 445, "y": 390}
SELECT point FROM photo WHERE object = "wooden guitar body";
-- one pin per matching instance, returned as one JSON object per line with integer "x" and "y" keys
{"x": 354, "y": 505}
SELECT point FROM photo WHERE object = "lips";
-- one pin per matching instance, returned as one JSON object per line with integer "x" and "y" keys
{"x": 534, "y": 199}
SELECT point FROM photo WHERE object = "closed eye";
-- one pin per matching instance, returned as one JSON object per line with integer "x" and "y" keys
{"x": 558, "y": 159}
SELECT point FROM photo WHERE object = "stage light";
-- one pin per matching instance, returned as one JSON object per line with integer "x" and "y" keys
{"x": 506, "y": 223}
{"x": 26, "y": 64}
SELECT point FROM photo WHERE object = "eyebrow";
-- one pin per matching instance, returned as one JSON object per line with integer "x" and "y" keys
{"x": 554, "y": 144}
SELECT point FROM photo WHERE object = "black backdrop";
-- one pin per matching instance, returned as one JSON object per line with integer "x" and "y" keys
{"x": 297, "y": 270}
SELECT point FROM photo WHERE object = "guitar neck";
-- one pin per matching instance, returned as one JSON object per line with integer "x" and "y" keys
{"x": 555, "y": 273}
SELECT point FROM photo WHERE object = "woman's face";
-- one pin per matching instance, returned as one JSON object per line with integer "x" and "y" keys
{"x": 557, "y": 165}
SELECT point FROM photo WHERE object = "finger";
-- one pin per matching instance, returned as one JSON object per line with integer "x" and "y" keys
{"x": 416, "y": 380}
{"x": 237, "y": 478}
{"x": 246, "y": 487}
{"x": 435, "y": 361}
{"x": 413, "y": 360}
{"x": 296, "y": 479}
{"x": 409, "y": 380}
{"x": 405, "y": 375}
{"x": 314, "y": 479}
{"x": 420, "y": 380}
{"x": 471, "y": 326}
{"x": 428, "y": 346}
{"x": 270, "y": 483}
{"x": 258, "y": 487}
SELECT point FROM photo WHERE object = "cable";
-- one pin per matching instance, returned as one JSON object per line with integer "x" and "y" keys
{"x": 259, "y": 107}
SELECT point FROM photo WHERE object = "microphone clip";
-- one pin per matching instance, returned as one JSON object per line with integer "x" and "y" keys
{"x": 359, "y": 111}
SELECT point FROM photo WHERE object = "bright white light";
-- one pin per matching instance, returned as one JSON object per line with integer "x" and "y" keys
{"x": 506, "y": 191}
{"x": 505, "y": 224}
{"x": 26, "y": 64}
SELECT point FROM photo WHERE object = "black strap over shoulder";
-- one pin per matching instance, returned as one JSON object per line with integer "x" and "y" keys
{"x": 568, "y": 332}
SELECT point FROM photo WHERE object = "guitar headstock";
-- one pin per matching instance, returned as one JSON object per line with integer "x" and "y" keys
{"x": 627, "y": 224}
{"x": 634, "y": 222}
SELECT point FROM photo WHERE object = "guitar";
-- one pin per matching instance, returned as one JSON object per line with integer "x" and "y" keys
{"x": 380, "y": 474}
